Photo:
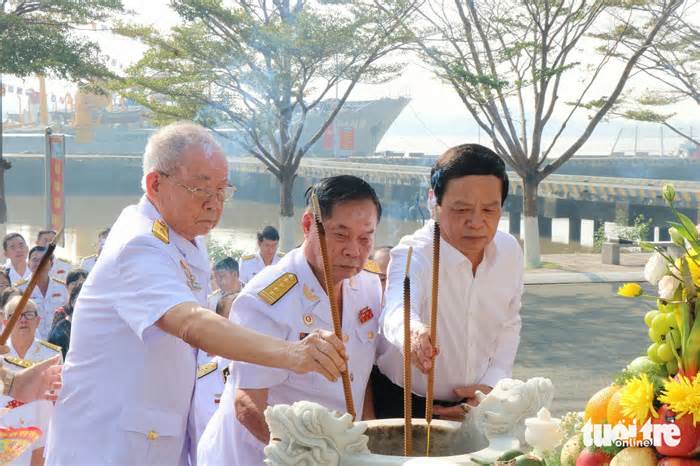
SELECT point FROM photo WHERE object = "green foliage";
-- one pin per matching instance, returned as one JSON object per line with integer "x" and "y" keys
{"x": 646, "y": 115}
{"x": 637, "y": 232}
{"x": 40, "y": 37}
{"x": 221, "y": 249}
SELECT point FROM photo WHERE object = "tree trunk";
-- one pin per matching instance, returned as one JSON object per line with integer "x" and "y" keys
{"x": 530, "y": 222}
{"x": 288, "y": 228}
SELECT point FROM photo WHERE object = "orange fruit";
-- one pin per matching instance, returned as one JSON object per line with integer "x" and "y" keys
{"x": 615, "y": 416}
{"x": 597, "y": 407}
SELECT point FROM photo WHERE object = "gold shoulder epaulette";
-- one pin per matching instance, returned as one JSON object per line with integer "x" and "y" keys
{"x": 280, "y": 254}
{"x": 371, "y": 266}
{"x": 277, "y": 289}
{"x": 59, "y": 281}
{"x": 160, "y": 231}
{"x": 91, "y": 256}
{"x": 19, "y": 362}
{"x": 247, "y": 257}
{"x": 51, "y": 346}
{"x": 20, "y": 282}
{"x": 206, "y": 369}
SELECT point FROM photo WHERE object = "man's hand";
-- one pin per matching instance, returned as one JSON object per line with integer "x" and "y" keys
{"x": 468, "y": 395}
{"x": 39, "y": 382}
{"x": 320, "y": 351}
{"x": 422, "y": 350}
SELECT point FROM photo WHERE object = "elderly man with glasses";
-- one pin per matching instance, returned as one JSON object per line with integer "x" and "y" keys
{"x": 141, "y": 316}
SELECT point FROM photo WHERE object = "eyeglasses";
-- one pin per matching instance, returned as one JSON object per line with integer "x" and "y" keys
{"x": 26, "y": 315}
{"x": 203, "y": 194}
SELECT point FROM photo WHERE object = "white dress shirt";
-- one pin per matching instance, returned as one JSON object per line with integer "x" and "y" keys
{"x": 252, "y": 264}
{"x": 127, "y": 385}
{"x": 16, "y": 279}
{"x": 60, "y": 269}
{"x": 302, "y": 309}
{"x": 478, "y": 319}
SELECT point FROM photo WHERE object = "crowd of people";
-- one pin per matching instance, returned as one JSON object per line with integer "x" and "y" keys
{"x": 160, "y": 369}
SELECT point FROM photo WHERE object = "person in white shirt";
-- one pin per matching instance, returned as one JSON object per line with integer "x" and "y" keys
{"x": 479, "y": 298}
{"x": 226, "y": 278}
{"x": 141, "y": 316}
{"x": 87, "y": 263}
{"x": 16, "y": 251}
{"x": 252, "y": 264}
{"x": 288, "y": 300}
{"x": 49, "y": 294}
{"x": 25, "y": 351}
{"x": 60, "y": 267}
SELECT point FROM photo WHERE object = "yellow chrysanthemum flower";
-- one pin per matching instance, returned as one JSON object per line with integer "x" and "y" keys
{"x": 694, "y": 268}
{"x": 630, "y": 290}
{"x": 637, "y": 399}
{"x": 682, "y": 396}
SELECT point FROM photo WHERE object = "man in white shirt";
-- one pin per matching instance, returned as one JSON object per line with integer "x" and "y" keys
{"x": 26, "y": 351}
{"x": 227, "y": 279}
{"x": 49, "y": 293}
{"x": 288, "y": 300}
{"x": 60, "y": 267}
{"x": 479, "y": 298}
{"x": 131, "y": 367}
{"x": 252, "y": 264}
{"x": 87, "y": 263}
{"x": 16, "y": 250}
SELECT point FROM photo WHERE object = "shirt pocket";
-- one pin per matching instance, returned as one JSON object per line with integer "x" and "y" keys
{"x": 152, "y": 437}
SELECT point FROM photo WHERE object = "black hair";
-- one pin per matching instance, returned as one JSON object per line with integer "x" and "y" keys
{"x": 75, "y": 275}
{"x": 227, "y": 263}
{"x": 465, "y": 160}
{"x": 44, "y": 232}
{"x": 6, "y": 295}
{"x": 268, "y": 233}
{"x": 6, "y": 274}
{"x": 103, "y": 233}
{"x": 343, "y": 188}
{"x": 70, "y": 305}
{"x": 36, "y": 249}
{"x": 10, "y": 236}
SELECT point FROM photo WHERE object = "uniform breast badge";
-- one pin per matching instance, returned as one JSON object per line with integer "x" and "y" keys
{"x": 303, "y": 335}
{"x": 365, "y": 315}
{"x": 191, "y": 280}
{"x": 310, "y": 295}
{"x": 277, "y": 289}
{"x": 160, "y": 231}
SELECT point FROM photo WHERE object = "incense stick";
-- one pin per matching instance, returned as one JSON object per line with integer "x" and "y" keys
{"x": 433, "y": 332}
{"x": 335, "y": 314}
{"x": 407, "y": 401}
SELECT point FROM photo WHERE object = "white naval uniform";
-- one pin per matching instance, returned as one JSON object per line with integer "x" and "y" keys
{"x": 252, "y": 264}
{"x": 298, "y": 312}
{"x": 60, "y": 269}
{"x": 34, "y": 414}
{"x": 127, "y": 385}
{"x": 478, "y": 328}
{"x": 16, "y": 279}
{"x": 207, "y": 392}
{"x": 87, "y": 263}
{"x": 46, "y": 305}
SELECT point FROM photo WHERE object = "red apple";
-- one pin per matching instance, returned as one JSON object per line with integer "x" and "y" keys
{"x": 668, "y": 461}
{"x": 689, "y": 434}
{"x": 593, "y": 458}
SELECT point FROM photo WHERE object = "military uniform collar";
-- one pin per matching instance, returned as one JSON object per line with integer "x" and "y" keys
{"x": 194, "y": 255}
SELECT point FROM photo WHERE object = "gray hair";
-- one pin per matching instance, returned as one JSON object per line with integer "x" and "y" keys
{"x": 166, "y": 147}
{"x": 12, "y": 303}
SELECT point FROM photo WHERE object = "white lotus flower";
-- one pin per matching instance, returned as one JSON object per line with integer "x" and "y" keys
{"x": 668, "y": 286}
{"x": 655, "y": 269}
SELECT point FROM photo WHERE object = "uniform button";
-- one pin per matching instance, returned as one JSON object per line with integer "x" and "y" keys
{"x": 345, "y": 338}
{"x": 370, "y": 335}
{"x": 352, "y": 377}
{"x": 152, "y": 435}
